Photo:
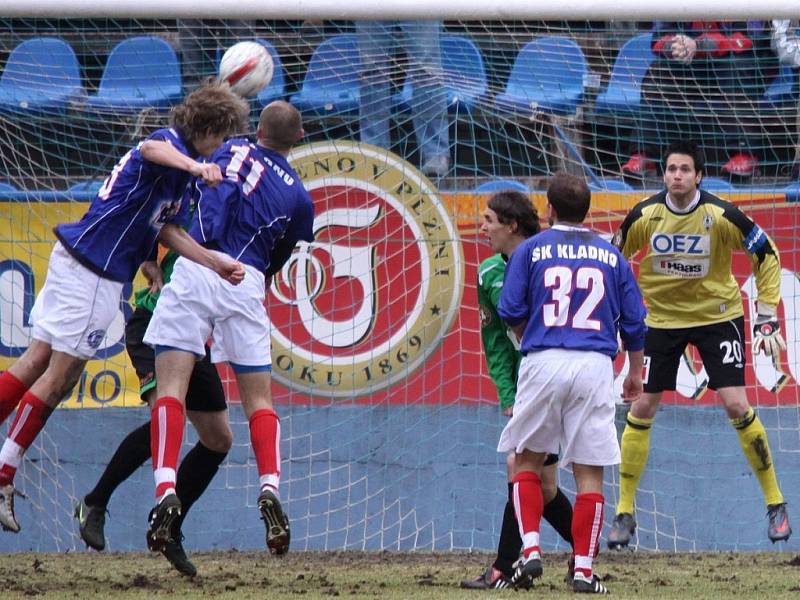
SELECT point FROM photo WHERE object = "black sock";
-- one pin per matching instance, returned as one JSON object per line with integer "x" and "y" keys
{"x": 195, "y": 473}
{"x": 558, "y": 512}
{"x": 510, "y": 544}
{"x": 131, "y": 454}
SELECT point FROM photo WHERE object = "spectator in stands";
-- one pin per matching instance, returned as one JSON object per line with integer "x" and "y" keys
{"x": 786, "y": 43}
{"x": 378, "y": 42}
{"x": 705, "y": 83}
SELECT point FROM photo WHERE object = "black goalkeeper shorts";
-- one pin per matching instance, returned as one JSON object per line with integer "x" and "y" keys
{"x": 205, "y": 392}
{"x": 721, "y": 346}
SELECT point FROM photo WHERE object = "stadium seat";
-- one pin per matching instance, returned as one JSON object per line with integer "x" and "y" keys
{"x": 499, "y": 185}
{"x": 610, "y": 185}
{"x": 464, "y": 75}
{"x": 141, "y": 72}
{"x": 548, "y": 75}
{"x": 783, "y": 90}
{"x": 276, "y": 89}
{"x": 41, "y": 75}
{"x": 716, "y": 184}
{"x": 624, "y": 91}
{"x": 330, "y": 86}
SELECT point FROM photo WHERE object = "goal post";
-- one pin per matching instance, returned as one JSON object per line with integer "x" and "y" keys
{"x": 388, "y": 415}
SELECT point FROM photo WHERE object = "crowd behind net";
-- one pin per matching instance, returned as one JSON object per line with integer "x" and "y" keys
{"x": 521, "y": 100}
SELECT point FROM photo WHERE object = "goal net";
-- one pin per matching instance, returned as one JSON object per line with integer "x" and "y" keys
{"x": 389, "y": 418}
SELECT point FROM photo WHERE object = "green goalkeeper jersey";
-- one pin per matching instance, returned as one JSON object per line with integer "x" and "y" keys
{"x": 146, "y": 299}
{"x": 502, "y": 355}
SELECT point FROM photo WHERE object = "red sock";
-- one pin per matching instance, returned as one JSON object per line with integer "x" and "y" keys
{"x": 11, "y": 391}
{"x": 265, "y": 436}
{"x": 166, "y": 436}
{"x": 528, "y": 505}
{"x": 31, "y": 416}
{"x": 587, "y": 522}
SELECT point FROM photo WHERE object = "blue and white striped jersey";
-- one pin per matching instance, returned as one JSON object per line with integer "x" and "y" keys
{"x": 575, "y": 290}
{"x": 118, "y": 232}
{"x": 260, "y": 210}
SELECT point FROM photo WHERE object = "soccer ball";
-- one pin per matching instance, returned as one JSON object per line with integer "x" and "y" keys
{"x": 247, "y": 67}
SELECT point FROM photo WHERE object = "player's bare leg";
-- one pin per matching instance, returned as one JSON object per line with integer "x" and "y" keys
{"x": 588, "y": 513}
{"x": 35, "y": 408}
{"x": 254, "y": 389}
{"x": 173, "y": 370}
{"x": 635, "y": 450}
{"x": 755, "y": 446}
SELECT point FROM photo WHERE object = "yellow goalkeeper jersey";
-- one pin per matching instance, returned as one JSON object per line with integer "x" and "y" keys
{"x": 685, "y": 272}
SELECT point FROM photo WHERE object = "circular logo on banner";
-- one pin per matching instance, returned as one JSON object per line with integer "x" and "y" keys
{"x": 365, "y": 304}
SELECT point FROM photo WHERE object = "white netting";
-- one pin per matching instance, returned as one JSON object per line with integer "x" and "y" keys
{"x": 389, "y": 443}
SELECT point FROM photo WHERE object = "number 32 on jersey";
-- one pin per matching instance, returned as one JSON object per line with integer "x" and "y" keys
{"x": 562, "y": 282}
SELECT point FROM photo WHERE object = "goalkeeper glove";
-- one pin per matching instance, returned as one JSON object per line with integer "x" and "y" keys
{"x": 767, "y": 336}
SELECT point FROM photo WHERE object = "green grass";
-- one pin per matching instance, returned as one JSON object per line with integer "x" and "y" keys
{"x": 394, "y": 576}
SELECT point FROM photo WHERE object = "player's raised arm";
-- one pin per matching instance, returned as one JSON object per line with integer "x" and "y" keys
{"x": 177, "y": 239}
{"x": 165, "y": 154}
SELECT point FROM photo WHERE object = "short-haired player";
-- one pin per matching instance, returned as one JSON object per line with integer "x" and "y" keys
{"x": 566, "y": 293}
{"x": 257, "y": 214}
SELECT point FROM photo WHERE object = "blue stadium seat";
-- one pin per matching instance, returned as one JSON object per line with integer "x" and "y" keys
{"x": 716, "y": 184}
{"x": 610, "y": 185}
{"x": 276, "y": 90}
{"x": 548, "y": 75}
{"x": 624, "y": 91}
{"x": 464, "y": 76}
{"x": 499, "y": 185}
{"x": 41, "y": 75}
{"x": 141, "y": 72}
{"x": 783, "y": 90}
{"x": 330, "y": 86}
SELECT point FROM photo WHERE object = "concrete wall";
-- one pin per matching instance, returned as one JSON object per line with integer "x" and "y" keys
{"x": 416, "y": 477}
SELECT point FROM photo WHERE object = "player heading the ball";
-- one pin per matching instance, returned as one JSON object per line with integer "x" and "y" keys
{"x": 257, "y": 213}
{"x": 139, "y": 204}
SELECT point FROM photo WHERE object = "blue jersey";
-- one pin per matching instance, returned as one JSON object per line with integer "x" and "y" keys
{"x": 260, "y": 210}
{"x": 575, "y": 290}
{"x": 119, "y": 231}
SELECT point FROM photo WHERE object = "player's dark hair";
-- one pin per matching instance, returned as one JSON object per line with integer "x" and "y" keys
{"x": 211, "y": 109}
{"x": 512, "y": 206}
{"x": 280, "y": 126}
{"x": 569, "y": 196}
{"x": 689, "y": 148}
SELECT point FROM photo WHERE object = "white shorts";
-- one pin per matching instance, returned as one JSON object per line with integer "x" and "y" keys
{"x": 197, "y": 304}
{"x": 565, "y": 401}
{"x": 75, "y": 307}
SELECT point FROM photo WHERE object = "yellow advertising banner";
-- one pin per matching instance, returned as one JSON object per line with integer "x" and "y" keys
{"x": 26, "y": 239}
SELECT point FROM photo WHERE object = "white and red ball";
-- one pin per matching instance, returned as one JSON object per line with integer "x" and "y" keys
{"x": 247, "y": 67}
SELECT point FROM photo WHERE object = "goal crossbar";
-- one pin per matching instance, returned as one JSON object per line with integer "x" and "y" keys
{"x": 407, "y": 9}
